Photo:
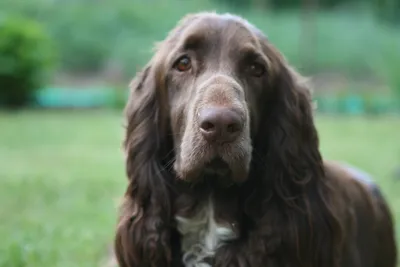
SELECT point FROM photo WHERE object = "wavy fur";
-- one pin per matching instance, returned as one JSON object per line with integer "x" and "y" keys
{"x": 294, "y": 209}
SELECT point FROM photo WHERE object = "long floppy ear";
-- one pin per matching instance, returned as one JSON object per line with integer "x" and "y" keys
{"x": 144, "y": 231}
{"x": 293, "y": 167}
{"x": 293, "y": 136}
{"x": 287, "y": 134}
{"x": 142, "y": 237}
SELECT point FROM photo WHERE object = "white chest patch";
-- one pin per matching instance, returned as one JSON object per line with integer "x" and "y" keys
{"x": 201, "y": 236}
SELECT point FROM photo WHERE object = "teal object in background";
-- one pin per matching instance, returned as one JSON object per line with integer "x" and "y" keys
{"x": 74, "y": 98}
{"x": 354, "y": 105}
{"x": 64, "y": 97}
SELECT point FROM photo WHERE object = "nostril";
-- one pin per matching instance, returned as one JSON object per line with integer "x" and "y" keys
{"x": 233, "y": 128}
{"x": 207, "y": 126}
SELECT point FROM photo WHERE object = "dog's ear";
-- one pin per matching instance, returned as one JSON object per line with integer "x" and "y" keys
{"x": 292, "y": 171}
{"x": 142, "y": 237}
{"x": 143, "y": 233}
{"x": 288, "y": 121}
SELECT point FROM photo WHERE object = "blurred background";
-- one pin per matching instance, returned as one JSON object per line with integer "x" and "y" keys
{"x": 64, "y": 70}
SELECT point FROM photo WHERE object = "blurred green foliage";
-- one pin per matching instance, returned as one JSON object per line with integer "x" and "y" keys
{"x": 341, "y": 36}
{"x": 388, "y": 10}
{"x": 284, "y": 4}
{"x": 25, "y": 57}
{"x": 118, "y": 98}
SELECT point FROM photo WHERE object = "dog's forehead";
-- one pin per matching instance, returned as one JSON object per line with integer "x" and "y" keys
{"x": 213, "y": 23}
{"x": 220, "y": 30}
{"x": 244, "y": 22}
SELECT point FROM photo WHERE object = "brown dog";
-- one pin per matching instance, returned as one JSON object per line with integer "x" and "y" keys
{"x": 224, "y": 166}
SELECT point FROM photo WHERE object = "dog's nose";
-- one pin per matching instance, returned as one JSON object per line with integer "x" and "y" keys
{"x": 220, "y": 124}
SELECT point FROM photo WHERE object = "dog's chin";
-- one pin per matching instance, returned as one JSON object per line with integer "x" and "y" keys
{"x": 214, "y": 171}
{"x": 198, "y": 161}
{"x": 217, "y": 171}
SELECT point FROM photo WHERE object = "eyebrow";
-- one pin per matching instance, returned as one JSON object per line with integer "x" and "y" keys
{"x": 194, "y": 41}
{"x": 249, "y": 50}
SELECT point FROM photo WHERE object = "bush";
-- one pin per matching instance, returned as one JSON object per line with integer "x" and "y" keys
{"x": 388, "y": 10}
{"x": 25, "y": 57}
{"x": 287, "y": 4}
{"x": 83, "y": 36}
{"x": 118, "y": 98}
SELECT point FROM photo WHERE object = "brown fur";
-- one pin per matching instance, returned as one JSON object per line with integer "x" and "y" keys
{"x": 290, "y": 207}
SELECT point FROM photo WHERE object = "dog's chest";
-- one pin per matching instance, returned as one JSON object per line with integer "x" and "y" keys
{"x": 202, "y": 236}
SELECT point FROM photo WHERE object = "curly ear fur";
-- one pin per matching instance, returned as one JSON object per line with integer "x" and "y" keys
{"x": 143, "y": 233}
{"x": 292, "y": 193}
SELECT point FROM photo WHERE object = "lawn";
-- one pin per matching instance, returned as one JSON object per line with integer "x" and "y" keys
{"x": 62, "y": 173}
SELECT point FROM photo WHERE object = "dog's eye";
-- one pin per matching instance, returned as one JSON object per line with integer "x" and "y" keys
{"x": 183, "y": 64}
{"x": 256, "y": 69}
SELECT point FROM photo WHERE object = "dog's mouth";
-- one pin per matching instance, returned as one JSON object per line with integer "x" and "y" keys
{"x": 198, "y": 163}
{"x": 217, "y": 167}
{"x": 217, "y": 170}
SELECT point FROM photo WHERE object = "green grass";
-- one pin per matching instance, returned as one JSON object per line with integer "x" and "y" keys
{"x": 62, "y": 173}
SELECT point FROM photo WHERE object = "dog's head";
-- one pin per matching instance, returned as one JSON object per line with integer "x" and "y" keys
{"x": 218, "y": 102}
{"x": 211, "y": 79}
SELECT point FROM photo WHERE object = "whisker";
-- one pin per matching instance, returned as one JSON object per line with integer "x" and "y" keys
{"x": 169, "y": 163}
{"x": 169, "y": 153}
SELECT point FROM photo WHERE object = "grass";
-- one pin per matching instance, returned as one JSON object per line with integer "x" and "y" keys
{"x": 61, "y": 175}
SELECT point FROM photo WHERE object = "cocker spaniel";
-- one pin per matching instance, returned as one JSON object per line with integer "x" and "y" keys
{"x": 224, "y": 167}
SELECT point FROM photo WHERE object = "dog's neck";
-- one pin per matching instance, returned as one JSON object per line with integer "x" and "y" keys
{"x": 207, "y": 215}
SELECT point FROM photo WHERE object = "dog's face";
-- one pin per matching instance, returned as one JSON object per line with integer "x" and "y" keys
{"x": 221, "y": 104}
{"x": 215, "y": 73}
